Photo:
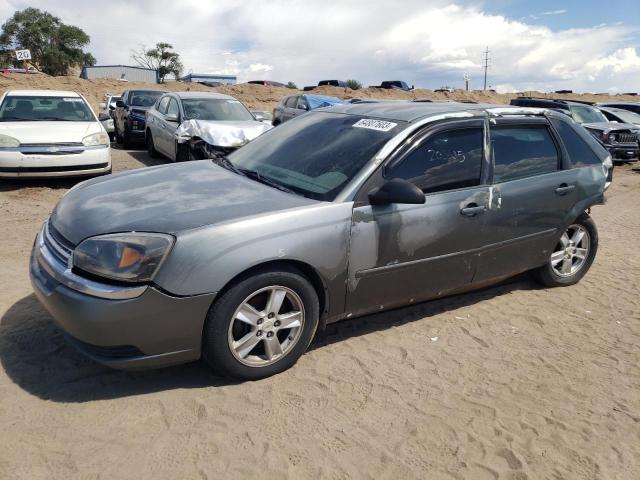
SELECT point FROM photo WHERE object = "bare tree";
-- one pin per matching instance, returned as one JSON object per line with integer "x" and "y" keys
{"x": 161, "y": 58}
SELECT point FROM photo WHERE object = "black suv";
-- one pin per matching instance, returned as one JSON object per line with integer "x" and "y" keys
{"x": 129, "y": 117}
{"x": 620, "y": 139}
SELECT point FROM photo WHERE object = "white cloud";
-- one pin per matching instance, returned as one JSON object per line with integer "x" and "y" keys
{"x": 426, "y": 43}
{"x": 260, "y": 67}
{"x": 554, "y": 12}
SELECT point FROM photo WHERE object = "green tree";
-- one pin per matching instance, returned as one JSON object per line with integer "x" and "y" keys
{"x": 55, "y": 47}
{"x": 292, "y": 85}
{"x": 354, "y": 84}
{"x": 161, "y": 58}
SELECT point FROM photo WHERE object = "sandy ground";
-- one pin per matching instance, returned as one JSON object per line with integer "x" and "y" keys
{"x": 512, "y": 382}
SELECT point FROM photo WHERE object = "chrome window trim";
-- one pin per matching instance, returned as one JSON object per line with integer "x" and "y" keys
{"x": 63, "y": 274}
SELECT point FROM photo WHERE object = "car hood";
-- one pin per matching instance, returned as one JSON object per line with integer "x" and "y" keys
{"x": 222, "y": 134}
{"x": 167, "y": 199}
{"x": 49, "y": 132}
{"x": 610, "y": 126}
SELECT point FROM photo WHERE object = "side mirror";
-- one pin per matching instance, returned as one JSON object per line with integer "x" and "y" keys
{"x": 396, "y": 190}
{"x": 303, "y": 107}
{"x": 103, "y": 116}
{"x": 102, "y": 106}
{"x": 259, "y": 117}
{"x": 412, "y": 87}
{"x": 171, "y": 117}
{"x": 120, "y": 104}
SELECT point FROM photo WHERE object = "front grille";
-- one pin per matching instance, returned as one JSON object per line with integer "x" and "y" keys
{"x": 46, "y": 145}
{"x": 626, "y": 137}
{"x": 59, "y": 246}
{"x": 65, "y": 168}
{"x": 116, "y": 352}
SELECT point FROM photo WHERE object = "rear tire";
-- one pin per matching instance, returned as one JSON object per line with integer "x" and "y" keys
{"x": 573, "y": 255}
{"x": 268, "y": 308}
{"x": 151, "y": 148}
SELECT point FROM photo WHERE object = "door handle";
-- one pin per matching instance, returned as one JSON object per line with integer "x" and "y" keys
{"x": 472, "y": 210}
{"x": 563, "y": 189}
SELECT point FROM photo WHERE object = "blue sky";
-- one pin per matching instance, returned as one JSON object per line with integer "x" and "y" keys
{"x": 586, "y": 45}
{"x": 577, "y": 13}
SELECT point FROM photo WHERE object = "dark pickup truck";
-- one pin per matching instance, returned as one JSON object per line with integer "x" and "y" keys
{"x": 129, "y": 116}
{"x": 620, "y": 139}
{"x": 394, "y": 84}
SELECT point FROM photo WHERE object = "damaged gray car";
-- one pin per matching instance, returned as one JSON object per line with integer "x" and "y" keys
{"x": 196, "y": 125}
{"x": 335, "y": 214}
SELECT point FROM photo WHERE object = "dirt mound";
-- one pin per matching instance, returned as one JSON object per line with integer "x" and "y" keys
{"x": 261, "y": 97}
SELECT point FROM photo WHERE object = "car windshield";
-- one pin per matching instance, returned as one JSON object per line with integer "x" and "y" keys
{"x": 586, "y": 114}
{"x": 315, "y": 155}
{"x": 221, "y": 109}
{"x": 144, "y": 98}
{"x": 45, "y": 108}
{"x": 627, "y": 116}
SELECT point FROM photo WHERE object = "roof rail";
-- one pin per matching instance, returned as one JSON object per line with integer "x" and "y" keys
{"x": 513, "y": 110}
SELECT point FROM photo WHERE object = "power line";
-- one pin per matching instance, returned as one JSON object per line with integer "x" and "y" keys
{"x": 486, "y": 66}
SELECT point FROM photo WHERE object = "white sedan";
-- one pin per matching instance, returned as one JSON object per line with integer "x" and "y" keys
{"x": 48, "y": 133}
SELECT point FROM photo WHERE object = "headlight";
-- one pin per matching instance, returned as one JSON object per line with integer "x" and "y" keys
{"x": 611, "y": 137}
{"x": 8, "y": 142}
{"x": 100, "y": 138}
{"x": 128, "y": 257}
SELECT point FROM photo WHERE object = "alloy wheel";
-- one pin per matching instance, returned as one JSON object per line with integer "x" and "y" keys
{"x": 571, "y": 252}
{"x": 266, "y": 326}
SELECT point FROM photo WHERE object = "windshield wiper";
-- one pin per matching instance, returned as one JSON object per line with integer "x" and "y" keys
{"x": 16, "y": 119}
{"x": 55, "y": 119}
{"x": 224, "y": 162}
{"x": 262, "y": 179}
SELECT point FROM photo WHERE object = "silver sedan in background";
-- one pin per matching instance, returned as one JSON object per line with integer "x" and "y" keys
{"x": 192, "y": 125}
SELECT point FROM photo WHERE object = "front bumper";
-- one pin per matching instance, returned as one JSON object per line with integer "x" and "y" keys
{"x": 54, "y": 161}
{"x": 151, "y": 329}
{"x": 136, "y": 129}
{"x": 624, "y": 152}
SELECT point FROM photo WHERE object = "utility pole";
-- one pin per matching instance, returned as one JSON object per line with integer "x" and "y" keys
{"x": 486, "y": 66}
{"x": 466, "y": 77}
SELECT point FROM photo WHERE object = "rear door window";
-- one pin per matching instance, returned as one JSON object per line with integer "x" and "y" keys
{"x": 522, "y": 151}
{"x": 447, "y": 160}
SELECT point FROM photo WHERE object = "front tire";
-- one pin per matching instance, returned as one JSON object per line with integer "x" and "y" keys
{"x": 151, "y": 148}
{"x": 126, "y": 139}
{"x": 261, "y": 325}
{"x": 573, "y": 255}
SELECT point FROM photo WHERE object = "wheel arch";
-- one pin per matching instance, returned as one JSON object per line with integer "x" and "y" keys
{"x": 303, "y": 268}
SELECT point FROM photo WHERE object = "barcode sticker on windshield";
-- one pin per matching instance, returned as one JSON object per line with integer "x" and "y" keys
{"x": 371, "y": 124}
{"x": 72, "y": 99}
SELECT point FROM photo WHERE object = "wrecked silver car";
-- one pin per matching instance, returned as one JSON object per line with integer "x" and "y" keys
{"x": 196, "y": 125}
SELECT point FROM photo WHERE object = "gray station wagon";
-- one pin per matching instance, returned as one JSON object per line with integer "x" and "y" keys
{"x": 335, "y": 214}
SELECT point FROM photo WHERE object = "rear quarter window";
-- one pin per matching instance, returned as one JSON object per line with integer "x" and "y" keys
{"x": 580, "y": 153}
